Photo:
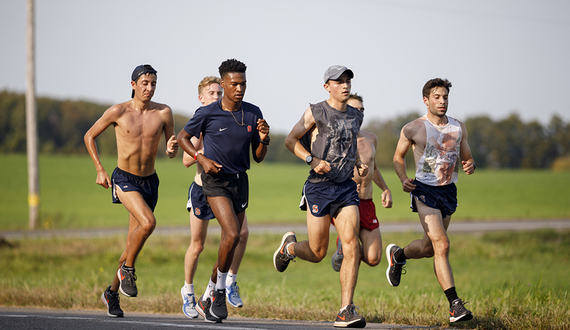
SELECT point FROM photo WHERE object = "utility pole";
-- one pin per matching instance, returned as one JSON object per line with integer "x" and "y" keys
{"x": 31, "y": 123}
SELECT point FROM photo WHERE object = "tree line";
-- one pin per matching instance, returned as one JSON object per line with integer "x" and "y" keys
{"x": 506, "y": 143}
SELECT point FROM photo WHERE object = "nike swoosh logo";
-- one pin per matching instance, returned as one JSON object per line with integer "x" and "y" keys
{"x": 244, "y": 205}
{"x": 223, "y": 129}
{"x": 342, "y": 317}
{"x": 122, "y": 276}
{"x": 452, "y": 314}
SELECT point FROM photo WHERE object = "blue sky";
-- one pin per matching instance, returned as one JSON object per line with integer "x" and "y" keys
{"x": 501, "y": 56}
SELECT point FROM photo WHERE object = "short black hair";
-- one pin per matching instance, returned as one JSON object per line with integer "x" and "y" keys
{"x": 436, "y": 82}
{"x": 231, "y": 65}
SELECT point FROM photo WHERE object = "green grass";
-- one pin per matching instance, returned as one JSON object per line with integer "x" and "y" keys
{"x": 71, "y": 199}
{"x": 512, "y": 280}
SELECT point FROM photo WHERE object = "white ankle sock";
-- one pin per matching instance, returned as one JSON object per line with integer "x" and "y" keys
{"x": 221, "y": 283}
{"x": 209, "y": 290}
{"x": 189, "y": 288}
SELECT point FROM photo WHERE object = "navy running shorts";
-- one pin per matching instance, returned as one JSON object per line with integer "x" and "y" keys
{"x": 326, "y": 198}
{"x": 233, "y": 186}
{"x": 147, "y": 186}
{"x": 443, "y": 198}
{"x": 197, "y": 203}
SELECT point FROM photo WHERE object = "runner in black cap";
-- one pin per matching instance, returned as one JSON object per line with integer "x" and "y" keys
{"x": 134, "y": 182}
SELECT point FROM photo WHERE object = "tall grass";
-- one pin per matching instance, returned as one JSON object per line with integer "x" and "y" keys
{"x": 512, "y": 280}
{"x": 71, "y": 199}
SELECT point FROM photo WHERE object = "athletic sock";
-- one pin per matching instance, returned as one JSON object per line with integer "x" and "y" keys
{"x": 221, "y": 282}
{"x": 230, "y": 279}
{"x": 189, "y": 288}
{"x": 400, "y": 256}
{"x": 287, "y": 250}
{"x": 451, "y": 294}
{"x": 209, "y": 290}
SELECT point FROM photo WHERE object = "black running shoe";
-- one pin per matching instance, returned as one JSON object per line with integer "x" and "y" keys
{"x": 219, "y": 308}
{"x": 111, "y": 300}
{"x": 347, "y": 318}
{"x": 281, "y": 257}
{"x": 203, "y": 308}
{"x": 127, "y": 279}
{"x": 457, "y": 312}
{"x": 394, "y": 271}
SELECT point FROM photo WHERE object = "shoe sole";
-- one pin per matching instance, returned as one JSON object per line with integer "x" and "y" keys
{"x": 184, "y": 309}
{"x": 107, "y": 305}
{"x": 287, "y": 234}
{"x": 233, "y": 304}
{"x": 462, "y": 318}
{"x": 355, "y": 324}
{"x": 121, "y": 285}
{"x": 389, "y": 259}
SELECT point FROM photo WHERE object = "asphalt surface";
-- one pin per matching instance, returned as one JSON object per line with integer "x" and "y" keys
{"x": 28, "y": 318}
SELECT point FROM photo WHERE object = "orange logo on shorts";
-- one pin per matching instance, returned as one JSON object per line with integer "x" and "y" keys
{"x": 315, "y": 208}
{"x": 249, "y": 128}
{"x": 197, "y": 211}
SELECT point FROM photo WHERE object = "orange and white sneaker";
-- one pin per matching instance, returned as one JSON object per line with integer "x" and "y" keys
{"x": 458, "y": 312}
{"x": 281, "y": 257}
{"x": 127, "y": 278}
{"x": 348, "y": 318}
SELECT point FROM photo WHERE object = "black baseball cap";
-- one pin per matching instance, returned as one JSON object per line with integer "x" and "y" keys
{"x": 140, "y": 70}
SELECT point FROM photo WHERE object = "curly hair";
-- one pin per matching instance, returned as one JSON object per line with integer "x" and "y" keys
{"x": 231, "y": 65}
{"x": 436, "y": 82}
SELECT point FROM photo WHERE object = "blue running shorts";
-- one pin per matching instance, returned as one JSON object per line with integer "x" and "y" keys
{"x": 147, "y": 186}
{"x": 198, "y": 203}
{"x": 443, "y": 198}
{"x": 326, "y": 198}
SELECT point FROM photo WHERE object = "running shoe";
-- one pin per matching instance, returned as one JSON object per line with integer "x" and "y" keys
{"x": 338, "y": 256}
{"x": 458, "y": 312}
{"x": 281, "y": 257}
{"x": 189, "y": 304}
{"x": 394, "y": 271}
{"x": 127, "y": 279}
{"x": 347, "y": 318}
{"x": 203, "y": 308}
{"x": 111, "y": 300}
{"x": 232, "y": 295}
{"x": 219, "y": 308}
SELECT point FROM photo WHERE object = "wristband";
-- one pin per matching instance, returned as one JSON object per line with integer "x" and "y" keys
{"x": 196, "y": 156}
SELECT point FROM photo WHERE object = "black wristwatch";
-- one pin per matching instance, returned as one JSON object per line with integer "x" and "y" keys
{"x": 309, "y": 159}
{"x": 266, "y": 142}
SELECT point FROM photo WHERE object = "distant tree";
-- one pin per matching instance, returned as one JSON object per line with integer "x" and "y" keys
{"x": 507, "y": 143}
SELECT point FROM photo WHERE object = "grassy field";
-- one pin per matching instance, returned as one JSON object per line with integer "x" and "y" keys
{"x": 71, "y": 199}
{"x": 512, "y": 280}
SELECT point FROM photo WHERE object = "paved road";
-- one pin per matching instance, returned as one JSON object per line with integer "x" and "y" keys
{"x": 470, "y": 226}
{"x": 28, "y": 318}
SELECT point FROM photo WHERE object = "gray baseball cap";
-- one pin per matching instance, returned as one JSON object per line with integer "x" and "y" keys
{"x": 336, "y": 71}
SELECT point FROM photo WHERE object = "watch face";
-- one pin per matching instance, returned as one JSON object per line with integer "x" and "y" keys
{"x": 309, "y": 159}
